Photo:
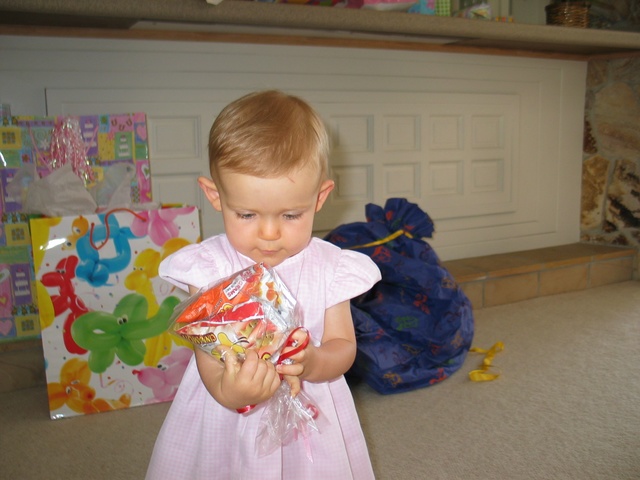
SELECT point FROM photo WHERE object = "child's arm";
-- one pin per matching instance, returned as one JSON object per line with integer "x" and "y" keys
{"x": 336, "y": 352}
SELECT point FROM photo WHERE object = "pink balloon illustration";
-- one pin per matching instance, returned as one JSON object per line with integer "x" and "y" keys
{"x": 158, "y": 224}
{"x": 164, "y": 379}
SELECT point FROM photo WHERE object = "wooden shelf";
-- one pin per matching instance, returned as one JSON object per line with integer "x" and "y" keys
{"x": 259, "y": 22}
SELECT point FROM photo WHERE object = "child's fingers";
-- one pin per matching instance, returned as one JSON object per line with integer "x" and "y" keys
{"x": 294, "y": 383}
{"x": 290, "y": 369}
{"x": 299, "y": 337}
{"x": 251, "y": 364}
{"x": 259, "y": 371}
{"x": 229, "y": 358}
{"x": 300, "y": 334}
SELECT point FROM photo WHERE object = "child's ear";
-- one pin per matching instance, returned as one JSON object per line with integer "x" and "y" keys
{"x": 210, "y": 190}
{"x": 325, "y": 190}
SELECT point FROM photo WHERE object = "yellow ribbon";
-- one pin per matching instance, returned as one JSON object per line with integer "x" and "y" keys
{"x": 384, "y": 240}
{"x": 481, "y": 374}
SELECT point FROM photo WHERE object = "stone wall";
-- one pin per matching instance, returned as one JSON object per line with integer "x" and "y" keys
{"x": 615, "y": 15}
{"x": 611, "y": 162}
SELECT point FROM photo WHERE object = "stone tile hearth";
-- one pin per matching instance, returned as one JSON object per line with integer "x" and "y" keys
{"x": 512, "y": 277}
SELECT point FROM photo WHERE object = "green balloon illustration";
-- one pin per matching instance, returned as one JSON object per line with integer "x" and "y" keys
{"x": 121, "y": 333}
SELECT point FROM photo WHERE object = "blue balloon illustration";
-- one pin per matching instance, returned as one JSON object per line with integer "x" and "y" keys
{"x": 93, "y": 269}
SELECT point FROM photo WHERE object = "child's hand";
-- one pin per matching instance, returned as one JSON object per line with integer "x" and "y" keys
{"x": 249, "y": 382}
{"x": 335, "y": 353}
{"x": 294, "y": 366}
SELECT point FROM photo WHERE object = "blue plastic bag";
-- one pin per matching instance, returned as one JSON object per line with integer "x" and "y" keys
{"x": 414, "y": 328}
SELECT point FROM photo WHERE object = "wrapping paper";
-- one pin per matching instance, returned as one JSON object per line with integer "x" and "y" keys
{"x": 414, "y": 328}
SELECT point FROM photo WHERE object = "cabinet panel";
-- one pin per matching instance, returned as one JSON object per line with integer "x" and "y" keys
{"x": 490, "y": 147}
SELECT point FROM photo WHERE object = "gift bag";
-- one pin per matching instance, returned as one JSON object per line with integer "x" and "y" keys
{"x": 94, "y": 145}
{"x": 414, "y": 328}
{"x": 18, "y": 308}
{"x": 99, "y": 149}
{"x": 104, "y": 312}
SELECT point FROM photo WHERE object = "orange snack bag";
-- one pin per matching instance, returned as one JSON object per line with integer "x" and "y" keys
{"x": 251, "y": 309}
{"x": 255, "y": 281}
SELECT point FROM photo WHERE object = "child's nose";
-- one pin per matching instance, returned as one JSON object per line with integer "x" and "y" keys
{"x": 269, "y": 230}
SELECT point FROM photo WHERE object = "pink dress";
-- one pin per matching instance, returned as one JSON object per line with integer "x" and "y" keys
{"x": 200, "y": 439}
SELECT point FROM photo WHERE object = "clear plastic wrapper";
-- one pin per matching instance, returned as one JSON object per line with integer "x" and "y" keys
{"x": 253, "y": 309}
{"x": 287, "y": 419}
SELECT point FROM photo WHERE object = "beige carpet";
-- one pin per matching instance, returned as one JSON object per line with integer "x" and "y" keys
{"x": 567, "y": 406}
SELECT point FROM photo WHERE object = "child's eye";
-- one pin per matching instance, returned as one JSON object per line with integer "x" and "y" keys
{"x": 245, "y": 216}
{"x": 292, "y": 216}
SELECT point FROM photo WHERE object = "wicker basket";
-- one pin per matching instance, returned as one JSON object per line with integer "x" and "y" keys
{"x": 568, "y": 14}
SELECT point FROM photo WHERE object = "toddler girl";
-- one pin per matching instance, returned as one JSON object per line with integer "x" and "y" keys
{"x": 268, "y": 155}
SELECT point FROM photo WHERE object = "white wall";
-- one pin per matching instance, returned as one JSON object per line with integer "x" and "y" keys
{"x": 490, "y": 147}
{"x": 528, "y": 11}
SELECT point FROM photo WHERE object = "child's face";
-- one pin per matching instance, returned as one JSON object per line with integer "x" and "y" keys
{"x": 268, "y": 219}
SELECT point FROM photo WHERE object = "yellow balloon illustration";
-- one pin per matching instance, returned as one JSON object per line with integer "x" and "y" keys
{"x": 40, "y": 228}
{"x": 145, "y": 269}
{"x": 45, "y": 306}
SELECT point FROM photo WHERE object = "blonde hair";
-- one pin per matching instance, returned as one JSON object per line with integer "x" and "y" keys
{"x": 268, "y": 134}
